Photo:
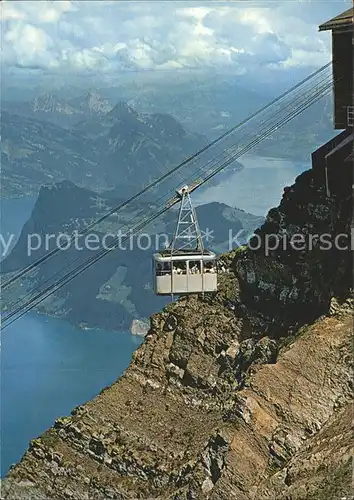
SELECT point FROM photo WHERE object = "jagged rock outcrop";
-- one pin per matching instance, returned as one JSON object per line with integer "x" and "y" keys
{"x": 49, "y": 103}
{"x": 298, "y": 260}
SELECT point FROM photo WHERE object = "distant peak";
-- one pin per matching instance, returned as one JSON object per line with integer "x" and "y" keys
{"x": 122, "y": 109}
{"x": 93, "y": 102}
{"x": 95, "y": 94}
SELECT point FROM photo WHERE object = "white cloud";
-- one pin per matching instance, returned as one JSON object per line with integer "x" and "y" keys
{"x": 29, "y": 47}
{"x": 36, "y": 11}
{"x": 9, "y": 11}
{"x": 109, "y": 36}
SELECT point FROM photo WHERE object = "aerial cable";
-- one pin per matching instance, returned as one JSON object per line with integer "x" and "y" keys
{"x": 69, "y": 277}
{"x": 240, "y": 152}
{"x": 156, "y": 182}
{"x": 115, "y": 209}
{"x": 322, "y": 90}
{"x": 311, "y": 99}
{"x": 250, "y": 146}
{"x": 258, "y": 140}
{"x": 223, "y": 165}
{"x": 81, "y": 268}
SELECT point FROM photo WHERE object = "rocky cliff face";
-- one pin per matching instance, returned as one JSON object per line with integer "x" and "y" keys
{"x": 244, "y": 394}
{"x": 60, "y": 111}
{"x": 206, "y": 411}
{"x": 302, "y": 255}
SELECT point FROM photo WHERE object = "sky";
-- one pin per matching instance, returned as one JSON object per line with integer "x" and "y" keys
{"x": 108, "y": 37}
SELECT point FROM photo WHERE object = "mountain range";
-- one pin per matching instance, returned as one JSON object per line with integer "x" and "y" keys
{"x": 120, "y": 149}
{"x": 207, "y": 107}
{"x": 99, "y": 143}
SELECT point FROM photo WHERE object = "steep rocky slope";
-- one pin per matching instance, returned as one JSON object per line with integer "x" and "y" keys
{"x": 244, "y": 394}
{"x": 199, "y": 415}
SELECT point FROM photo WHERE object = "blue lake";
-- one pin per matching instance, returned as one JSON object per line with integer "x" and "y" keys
{"x": 47, "y": 368}
{"x": 256, "y": 188}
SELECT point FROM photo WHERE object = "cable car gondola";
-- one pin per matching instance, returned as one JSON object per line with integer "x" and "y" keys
{"x": 183, "y": 268}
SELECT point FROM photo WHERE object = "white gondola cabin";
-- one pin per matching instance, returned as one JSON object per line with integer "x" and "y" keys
{"x": 185, "y": 272}
{"x": 186, "y": 266}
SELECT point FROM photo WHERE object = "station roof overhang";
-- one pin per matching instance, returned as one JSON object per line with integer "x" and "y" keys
{"x": 341, "y": 23}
